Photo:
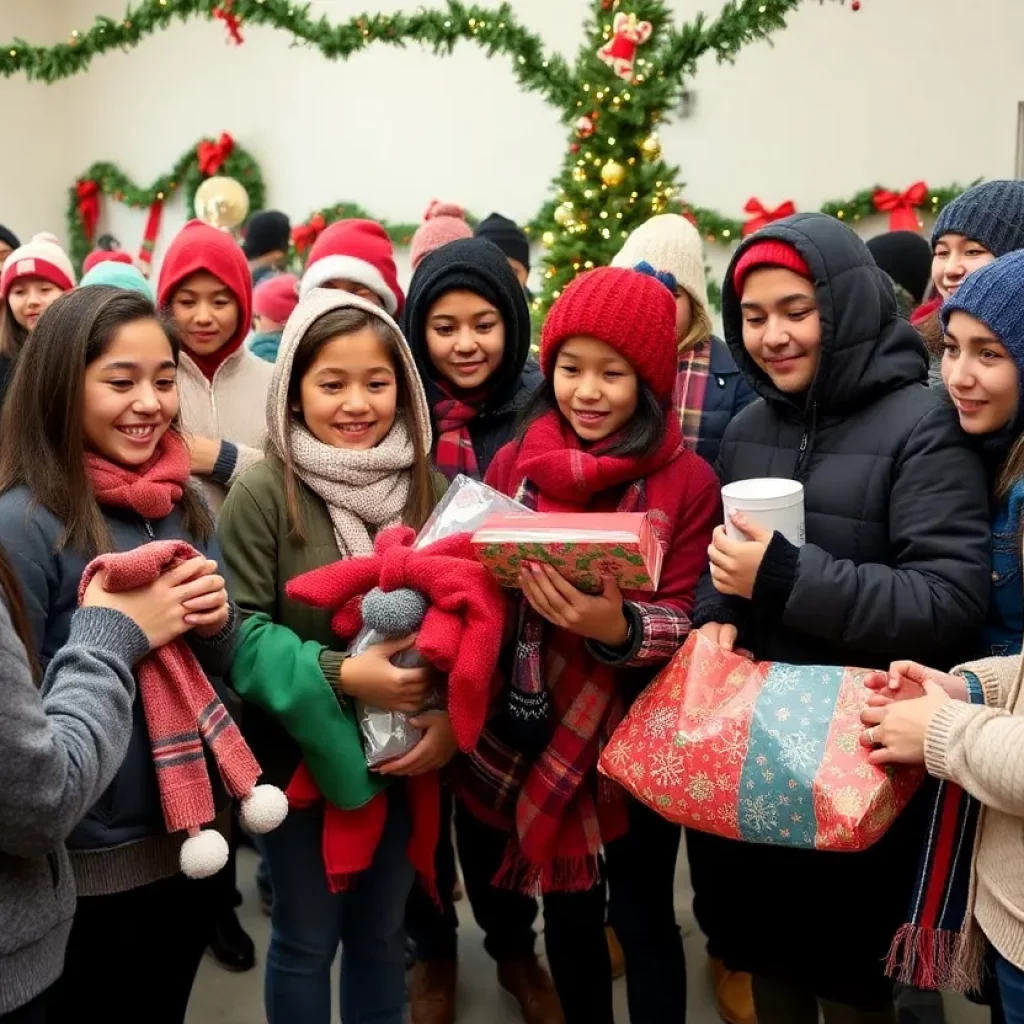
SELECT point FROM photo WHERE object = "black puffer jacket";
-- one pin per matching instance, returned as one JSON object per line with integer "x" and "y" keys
{"x": 896, "y": 565}
{"x": 477, "y": 265}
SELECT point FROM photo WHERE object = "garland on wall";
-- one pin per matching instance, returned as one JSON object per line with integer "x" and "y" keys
{"x": 628, "y": 74}
{"x": 207, "y": 158}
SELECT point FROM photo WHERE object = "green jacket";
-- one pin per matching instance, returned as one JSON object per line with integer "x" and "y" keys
{"x": 287, "y": 650}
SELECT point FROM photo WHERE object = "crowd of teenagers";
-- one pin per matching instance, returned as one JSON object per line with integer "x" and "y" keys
{"x": 276, "y": 423}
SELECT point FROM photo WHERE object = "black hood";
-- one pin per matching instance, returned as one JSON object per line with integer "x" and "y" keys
{"x": 478, "y": 266}
{"x": 867, "y": 348}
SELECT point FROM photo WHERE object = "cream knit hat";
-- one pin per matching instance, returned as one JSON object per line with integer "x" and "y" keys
{"x": 42, "y": 257}
{"x": 670, "y": 243}
{"x": 310, "y": 308}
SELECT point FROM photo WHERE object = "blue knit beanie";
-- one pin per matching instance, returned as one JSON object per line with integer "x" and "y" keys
{"x": 118, "y": 275}
{"x": 995, "y": 296}
{"x": 991, "y": 213}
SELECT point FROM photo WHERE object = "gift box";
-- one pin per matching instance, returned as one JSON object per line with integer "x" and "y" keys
{"x": 581, "y": 546}
{"x": 760, "y": 752}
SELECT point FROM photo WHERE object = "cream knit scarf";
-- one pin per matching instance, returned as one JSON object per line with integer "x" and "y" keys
{"x": 358, "y": 487}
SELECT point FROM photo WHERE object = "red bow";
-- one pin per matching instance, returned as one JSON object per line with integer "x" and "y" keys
{"x": 462, "y": 629}
{"x": 900, "y": 206}
{"x": 306, "y": 234}
{"x": 88, "y": 194}
{"x": 231, "y": 21}
{"x": 212, "y": 155}
{"x": 762, "y": 217}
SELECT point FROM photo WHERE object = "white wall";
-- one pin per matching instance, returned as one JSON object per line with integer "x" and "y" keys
{"x": 901, "y": 90}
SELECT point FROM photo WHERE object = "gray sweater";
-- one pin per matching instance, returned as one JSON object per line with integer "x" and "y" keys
{"x": 58, "y": 752}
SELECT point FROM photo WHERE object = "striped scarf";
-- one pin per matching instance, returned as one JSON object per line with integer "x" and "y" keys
{"x": 452, "y": 416}
{"x": 552, "y": 804}
{"x": 691, "y": 385}
{"x": 939, "y": 947}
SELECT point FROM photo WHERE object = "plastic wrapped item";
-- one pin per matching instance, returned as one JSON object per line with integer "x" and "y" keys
{"x": 762, "y": 752}
{"x": 387, "y": 735}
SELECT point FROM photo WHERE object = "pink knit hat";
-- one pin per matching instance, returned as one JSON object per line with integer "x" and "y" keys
{"x": 276, "y": 297}
{"x": 442, "y": 223}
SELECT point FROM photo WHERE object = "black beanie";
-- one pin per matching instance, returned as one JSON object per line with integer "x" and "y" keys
{"x": 906, "y": 257}
{"x": 472, "y": 265}
{"x": 268, "y": 231}
{"x": 507, "y": 236}
{"x": 8, "y": 237}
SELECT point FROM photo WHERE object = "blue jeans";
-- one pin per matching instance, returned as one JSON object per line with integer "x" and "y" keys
{"x": 1011, "y": 991}
{"x": 308, "y": 922}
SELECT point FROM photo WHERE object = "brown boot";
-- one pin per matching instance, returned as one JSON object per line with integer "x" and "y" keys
{"x": 615, "y": 954}
{"x": 532, "y": 988}
{"x": 733, "y": 994}
{"x": 432, "y": 991}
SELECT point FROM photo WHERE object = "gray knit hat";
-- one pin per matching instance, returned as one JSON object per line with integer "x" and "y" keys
{"x": 995, "y": 296}
{"x": 991, "y": 213}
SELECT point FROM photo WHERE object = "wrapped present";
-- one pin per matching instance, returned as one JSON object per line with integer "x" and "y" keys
{"x": 581, "y": 546}
{"x": 762, "y": 752}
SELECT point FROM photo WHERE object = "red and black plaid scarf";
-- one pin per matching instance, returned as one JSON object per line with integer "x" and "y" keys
{"x": 452, "y": 416}
{"x": 557, "y": 811}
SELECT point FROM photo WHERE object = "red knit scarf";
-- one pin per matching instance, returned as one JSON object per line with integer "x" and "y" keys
{"x": 452, "y": 416}
{"x": 558, "y": 813}
{"x": 153, "y": 489}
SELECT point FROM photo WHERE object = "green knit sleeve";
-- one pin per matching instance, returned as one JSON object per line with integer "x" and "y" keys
{"x": 280, "y": 673}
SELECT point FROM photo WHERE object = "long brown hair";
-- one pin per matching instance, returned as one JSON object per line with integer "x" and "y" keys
{"x": 42, "y": 436}
{"x": 12, "y": 334}
{"x": 10, "y": 593}
{"x": 334, "y": 324}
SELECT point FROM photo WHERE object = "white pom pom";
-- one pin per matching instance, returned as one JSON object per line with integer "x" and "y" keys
{"x": 203, "y": 855}
{"x": 264, "y": 809}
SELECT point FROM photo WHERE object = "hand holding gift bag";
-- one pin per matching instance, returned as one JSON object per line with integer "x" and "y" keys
{"x": 760, "y": 752}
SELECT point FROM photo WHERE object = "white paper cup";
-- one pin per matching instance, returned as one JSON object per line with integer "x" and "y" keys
{"x": 773, "y": 503}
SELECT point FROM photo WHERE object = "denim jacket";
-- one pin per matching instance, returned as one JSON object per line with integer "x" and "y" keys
{"x": 1005, "y": 624}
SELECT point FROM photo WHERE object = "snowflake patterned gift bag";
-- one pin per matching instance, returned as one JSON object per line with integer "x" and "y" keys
{"x": 761, "y": 752}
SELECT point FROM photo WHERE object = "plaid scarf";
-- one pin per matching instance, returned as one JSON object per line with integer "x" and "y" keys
{"x": 939, "y": 947}
{"x": 556, "y": 811}
{"x": 691, "y": 384}
{"x": 454, "y": 453}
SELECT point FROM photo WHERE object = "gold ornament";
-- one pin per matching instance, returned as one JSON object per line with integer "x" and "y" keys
{"x": 613, "y": 173}
{"x": 564, "y": 215}
{"x": 579, "y": 175}
{"x": 222, "y": 203}
{"x": 548, "y": 238}
{"x": 650, "y": 148}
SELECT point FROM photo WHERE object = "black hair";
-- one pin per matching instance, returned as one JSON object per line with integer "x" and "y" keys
{"x": 639, "y": 438}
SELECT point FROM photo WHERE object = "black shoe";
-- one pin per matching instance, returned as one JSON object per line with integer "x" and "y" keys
{"x": 230, "y": 946}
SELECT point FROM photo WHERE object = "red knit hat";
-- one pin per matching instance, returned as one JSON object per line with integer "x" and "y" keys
{"x": 359, "y": 251}
{"x": 105, "y": 256}
{"x": 769, "y": 253}
{"x": 276, "y": 297}
{"x": 631, "y": 311}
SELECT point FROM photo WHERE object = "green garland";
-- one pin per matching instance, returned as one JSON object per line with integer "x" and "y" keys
{"x": 186, "y": 175}
{"x": 612, "y": 178}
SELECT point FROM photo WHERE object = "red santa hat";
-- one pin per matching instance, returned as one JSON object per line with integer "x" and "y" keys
{"x": 359, "y": 251}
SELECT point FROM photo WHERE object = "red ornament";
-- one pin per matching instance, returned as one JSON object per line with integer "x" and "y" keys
{"x": 621, "y": 51}
{"x": 900, "y": 205}
{"x": 88, "y": 194}
{"x": 760, "y": 216}
{"x": 855, "y": 5}
{"x": 211, "y": 155}
{"x": 574, "y": 148}
{"x": 306, "y": 234}
{"x": 231, "y": 21}
{"x": 606, "y": 5}
{"x": 584, "y": 127}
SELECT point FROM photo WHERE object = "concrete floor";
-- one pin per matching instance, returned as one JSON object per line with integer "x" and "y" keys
{"x": 223, "y": 998}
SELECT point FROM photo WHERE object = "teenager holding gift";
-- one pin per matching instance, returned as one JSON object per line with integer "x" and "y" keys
{"x": 896, "y": 562}
{"x": 468, "y": 325}
{"x": 93, "y": 462}
{"x": 599, "y": 436}
{"x": 349, "y": 436}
